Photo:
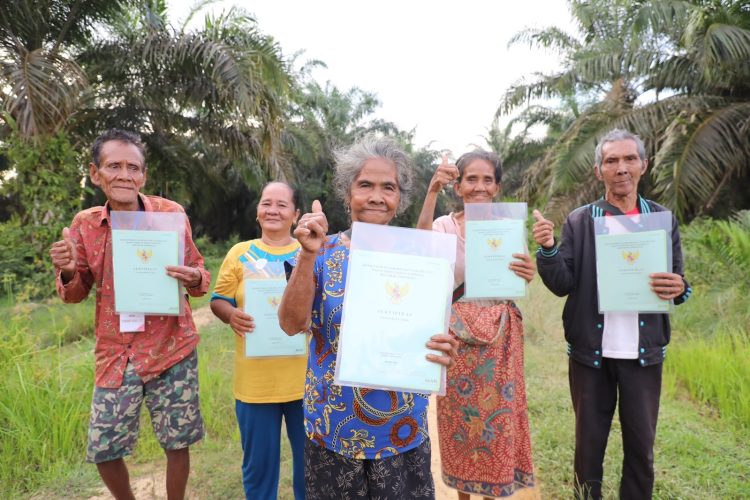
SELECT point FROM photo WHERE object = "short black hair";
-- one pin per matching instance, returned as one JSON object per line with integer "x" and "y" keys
{"x": 480, "y": 154}
{"x": 296, "y": 195}
{"x": 116, "y": 134}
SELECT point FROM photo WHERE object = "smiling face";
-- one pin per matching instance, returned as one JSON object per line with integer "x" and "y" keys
{"x": 121, "y": 174}
{"x": 374, "y": 195}
{"x": 621, "y": 168}
{"x": 478, "y": 183}
{"x": 276, "y": 210}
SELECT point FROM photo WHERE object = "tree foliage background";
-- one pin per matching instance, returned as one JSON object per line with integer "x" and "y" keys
{"x": 223, "y": 110}
{"x": 675, "y": 72}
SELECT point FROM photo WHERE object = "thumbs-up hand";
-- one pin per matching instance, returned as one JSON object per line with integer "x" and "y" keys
{"x": 312, "y": 229}
{"x": 543, "y": 230}
{"x": 444, "y": 175}
{"x": 64, "y": 255}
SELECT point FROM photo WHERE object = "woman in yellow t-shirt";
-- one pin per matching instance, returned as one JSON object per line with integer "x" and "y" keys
{"x": 265, "y": 389}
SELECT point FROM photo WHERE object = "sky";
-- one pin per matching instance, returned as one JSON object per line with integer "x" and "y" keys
{"x": 438, "y": 67}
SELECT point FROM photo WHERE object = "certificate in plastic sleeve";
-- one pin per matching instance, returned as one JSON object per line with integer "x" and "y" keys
{"x": 262, "y": 299}
{"x": 139, "y": 259}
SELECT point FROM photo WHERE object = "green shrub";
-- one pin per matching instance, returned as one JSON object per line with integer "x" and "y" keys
{"x": 710, "y": 355}
{"x": 717, "y": 252}
{"x": 45, "y": 193}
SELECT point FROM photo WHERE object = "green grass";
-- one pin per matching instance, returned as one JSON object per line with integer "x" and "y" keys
{"x": 715, "y": 371}
{"x": 212, "y": 264}
{"x": 697, "y": 454}
{"x": 701, "y": 451}
{"x": 43, "y": 408}
{"x": 50, "y": 322}
{"x": 53, "y": 448}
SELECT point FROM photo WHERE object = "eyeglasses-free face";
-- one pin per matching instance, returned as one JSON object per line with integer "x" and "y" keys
{"x": 477, "y": 184}
{"x": 121, "y": 174}
{"x": 374, "y": 195}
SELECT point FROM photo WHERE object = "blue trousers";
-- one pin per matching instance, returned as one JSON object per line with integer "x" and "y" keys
{"x": 260, "y": 433}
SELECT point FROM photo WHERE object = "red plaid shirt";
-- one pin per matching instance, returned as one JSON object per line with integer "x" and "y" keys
{"x": 166, "y": 340}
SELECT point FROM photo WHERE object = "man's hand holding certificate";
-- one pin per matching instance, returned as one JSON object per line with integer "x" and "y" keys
{"x": 139, "y": 260}
{"x": 631, "y": 253}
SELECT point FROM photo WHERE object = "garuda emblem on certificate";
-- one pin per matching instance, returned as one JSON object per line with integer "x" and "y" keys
{"x": 494, "y": 243}
{"x": 630, "y": 257}
{"x": 144, "y": 254}
{"x": 397, "y": 291}
{"x": 274, "y": 301}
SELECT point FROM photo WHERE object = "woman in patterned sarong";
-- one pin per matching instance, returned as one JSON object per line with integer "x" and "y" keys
{"x": 483, "y": 423}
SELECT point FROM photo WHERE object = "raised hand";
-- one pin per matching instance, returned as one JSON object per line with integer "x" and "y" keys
{"x": 444, "y": 175}
{"x": 312, "y": 229}
{"x": 64, "y": 255}
{"x": 543, "y": 230}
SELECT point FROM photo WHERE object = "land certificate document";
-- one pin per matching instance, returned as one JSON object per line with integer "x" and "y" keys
{"x": 141, "y": 283}
{"x": 262, "y": 299}
{"x": 490, "y": 245}
{"x": 623, "y": 264}
{"x": 393, "y": 304}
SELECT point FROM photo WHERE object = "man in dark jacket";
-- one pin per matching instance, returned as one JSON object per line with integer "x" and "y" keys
{"x": 615, "y": 354}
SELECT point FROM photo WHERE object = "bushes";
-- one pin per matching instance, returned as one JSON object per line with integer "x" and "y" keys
{"x": 44, "y": 194}
{"x": 717, "y": 252}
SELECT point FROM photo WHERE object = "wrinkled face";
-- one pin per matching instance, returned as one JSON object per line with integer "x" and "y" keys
{"x": 477, "y": 184}
{"x": 374, "y": 195}
{"x": 276, "y": 210}
{"x": 121, "y": 174}
{"x": 621, "y": 167}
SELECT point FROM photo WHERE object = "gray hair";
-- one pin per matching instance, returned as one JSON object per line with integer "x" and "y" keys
{"x": 350, "y": 160}
{"x": 614, "y": 135}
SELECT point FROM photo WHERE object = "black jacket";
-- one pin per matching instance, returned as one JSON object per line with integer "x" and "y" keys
{"x": 570, "y": 269}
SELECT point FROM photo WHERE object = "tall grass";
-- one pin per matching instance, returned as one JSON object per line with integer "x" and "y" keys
{"x": 716, "y": 372}
{"x": 51, "y": 322}
{"x": 46, "y": 381}
{"x": 710, "y": 352}
{"x": 44, "y": 406}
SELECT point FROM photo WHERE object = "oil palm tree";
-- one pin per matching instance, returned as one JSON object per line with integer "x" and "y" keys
{"x": 322, "y": 119}
{"x": 41, "y": 82}
{"x": 222, "y": 88}
{"x": 673, "y": 71}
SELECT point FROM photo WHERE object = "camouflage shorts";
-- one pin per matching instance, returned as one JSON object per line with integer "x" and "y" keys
{"x": 172, "y": 402}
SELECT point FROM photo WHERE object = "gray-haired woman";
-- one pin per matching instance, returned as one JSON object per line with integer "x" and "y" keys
{"x": 363, "y": 443}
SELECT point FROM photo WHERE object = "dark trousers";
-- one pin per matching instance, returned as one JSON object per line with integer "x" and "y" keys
{"x": 332, "y": 476}
{"x": 595, "y": 393}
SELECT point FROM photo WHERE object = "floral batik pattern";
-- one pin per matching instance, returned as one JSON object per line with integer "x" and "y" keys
{"x": 483, "y": 419}
{"x": 329, "y": 475}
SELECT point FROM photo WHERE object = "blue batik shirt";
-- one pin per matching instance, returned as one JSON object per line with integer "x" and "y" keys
{"x": 357, "y": 423}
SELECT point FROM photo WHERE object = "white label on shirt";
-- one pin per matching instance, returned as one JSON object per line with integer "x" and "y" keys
{"x": 132, "y": 323}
